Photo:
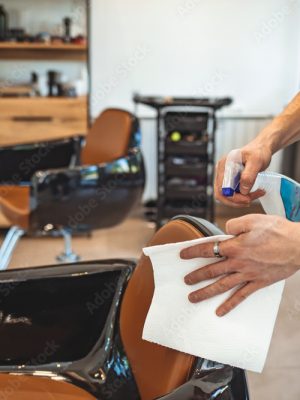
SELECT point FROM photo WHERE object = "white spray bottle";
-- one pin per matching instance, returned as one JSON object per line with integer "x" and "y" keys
{"x": 282, "y": 194}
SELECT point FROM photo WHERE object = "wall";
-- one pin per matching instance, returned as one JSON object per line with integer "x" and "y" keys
{"x": 248, "y": 50}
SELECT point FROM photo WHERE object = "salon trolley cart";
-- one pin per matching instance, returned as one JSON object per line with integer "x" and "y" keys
{"x": 185, "y": 130}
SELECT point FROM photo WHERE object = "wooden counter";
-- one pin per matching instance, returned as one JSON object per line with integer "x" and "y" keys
{"x": 27, "y": 120}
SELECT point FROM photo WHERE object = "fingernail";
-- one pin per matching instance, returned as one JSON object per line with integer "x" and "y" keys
{"x": 188, "y": 280}
{"x": 220, "y": 313}
{"x": 193, "y": 298}
{"x": 183, "y": 254}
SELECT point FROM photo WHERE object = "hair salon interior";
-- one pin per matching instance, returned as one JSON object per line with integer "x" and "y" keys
{"x": 113, "y": 115}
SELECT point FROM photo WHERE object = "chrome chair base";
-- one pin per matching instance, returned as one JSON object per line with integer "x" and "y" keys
{"x": 68, "y": 256}
{"x": 14, "y": 235}
{"x": 10, "y": 241}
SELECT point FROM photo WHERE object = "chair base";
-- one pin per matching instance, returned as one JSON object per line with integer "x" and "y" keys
{"x": 14, "y": 235}
{"x": 11, "y": 240}
{"x": 68, "y": 256}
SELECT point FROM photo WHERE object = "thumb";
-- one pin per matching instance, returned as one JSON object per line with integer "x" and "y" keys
{"x": 249, "y": 176}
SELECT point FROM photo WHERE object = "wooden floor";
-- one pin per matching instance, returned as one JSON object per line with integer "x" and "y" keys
{"x": 280, "y": 379}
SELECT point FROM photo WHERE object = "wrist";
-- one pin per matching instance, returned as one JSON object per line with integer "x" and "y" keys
{"x": 270, "y": 139}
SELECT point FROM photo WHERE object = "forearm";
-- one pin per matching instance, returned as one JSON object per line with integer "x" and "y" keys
{"x": 284, "y": 129}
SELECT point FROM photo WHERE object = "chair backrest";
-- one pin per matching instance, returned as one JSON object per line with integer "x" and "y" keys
{"x": 109, "y": 137}
{"x": 158, "y": 370}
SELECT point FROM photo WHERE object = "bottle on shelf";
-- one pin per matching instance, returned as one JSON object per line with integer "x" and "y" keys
{"x": 67, "y": 25}
{"x": 3, "y": 23}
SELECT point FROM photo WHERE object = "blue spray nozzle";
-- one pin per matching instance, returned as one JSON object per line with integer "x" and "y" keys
{"x": 227, "y": 192}
{"x": 232, "y": 173}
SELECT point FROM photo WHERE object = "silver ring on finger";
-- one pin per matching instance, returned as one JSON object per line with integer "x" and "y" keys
{"x": 216, "y": 250}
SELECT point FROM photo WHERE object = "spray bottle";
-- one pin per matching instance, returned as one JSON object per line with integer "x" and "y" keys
{"x": 282, "y": 194}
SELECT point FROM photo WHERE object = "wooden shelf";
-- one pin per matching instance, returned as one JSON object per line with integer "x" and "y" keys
{"x": 34, "y": 119}
{"x": 56, "y": 51}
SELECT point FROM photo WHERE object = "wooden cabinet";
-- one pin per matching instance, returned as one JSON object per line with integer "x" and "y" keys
{"x": 27, "y": 120}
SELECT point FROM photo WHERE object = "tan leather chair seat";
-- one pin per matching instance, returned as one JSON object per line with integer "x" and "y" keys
{"x": 23, "y": 387}
{"x": 15, "y": 204}
{"x": 158, "y": 370}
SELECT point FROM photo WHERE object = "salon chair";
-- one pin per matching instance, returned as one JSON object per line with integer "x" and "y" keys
{"x": 97, "y": 193}
{"x": 74, "y": 331}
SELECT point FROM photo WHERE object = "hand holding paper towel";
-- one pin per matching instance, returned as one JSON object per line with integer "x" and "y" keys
{"x": 241, "y": 338}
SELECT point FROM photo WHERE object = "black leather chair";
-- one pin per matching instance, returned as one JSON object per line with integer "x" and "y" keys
{"x": 75, "y": 332}
{"x": 98, "y": 193}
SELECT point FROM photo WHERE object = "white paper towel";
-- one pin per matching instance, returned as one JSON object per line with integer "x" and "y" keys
{"x": 240, "y": 338}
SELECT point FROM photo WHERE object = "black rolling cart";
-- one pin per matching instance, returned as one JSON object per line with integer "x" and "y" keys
{"x": 186, "y": 130}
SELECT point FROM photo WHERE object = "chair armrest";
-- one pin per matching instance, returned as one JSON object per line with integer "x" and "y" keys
{"x": 131, "y": 166}
{"x": 93, "y": 196}
{"x": 212, "y": 380}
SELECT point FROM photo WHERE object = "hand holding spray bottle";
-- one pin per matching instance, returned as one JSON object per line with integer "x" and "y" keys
{"x": 282, "y": 194}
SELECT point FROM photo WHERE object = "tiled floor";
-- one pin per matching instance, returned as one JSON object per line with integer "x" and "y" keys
{"x": 280, "y": 379}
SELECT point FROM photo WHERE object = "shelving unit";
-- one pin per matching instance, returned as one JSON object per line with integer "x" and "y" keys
{"x": 42, "y": 51}
{"x": 186, "y": 147}
{"x": 25, "y": 119}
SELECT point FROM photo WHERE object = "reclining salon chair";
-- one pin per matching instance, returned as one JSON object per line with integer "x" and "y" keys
{"x": 98, "y": 192}
{"x": 74, "y": 332}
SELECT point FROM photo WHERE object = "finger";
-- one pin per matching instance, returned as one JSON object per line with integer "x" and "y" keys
{"x": 237, "y": 298}
{"x": 249, "y": 175}
{"x": 247, "y": 199}
{"x": 209, "y": 272}
{"x": 257, "y": 194}
{"x": 237, "y": 226}
{"x": 233, "y": 203}
{"x": 219, "y": 174}
{"x": 204, "y": 250}
{"x": 237, "y": 201}
{"x": 218, "y": 287}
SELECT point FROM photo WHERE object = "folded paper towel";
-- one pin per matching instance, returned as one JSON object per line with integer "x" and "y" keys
{"x": 240, "y": 338}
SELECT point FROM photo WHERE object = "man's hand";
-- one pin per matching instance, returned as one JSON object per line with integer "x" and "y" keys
{"x": 265, "y": 250}
{"x": 256, "y": 158}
